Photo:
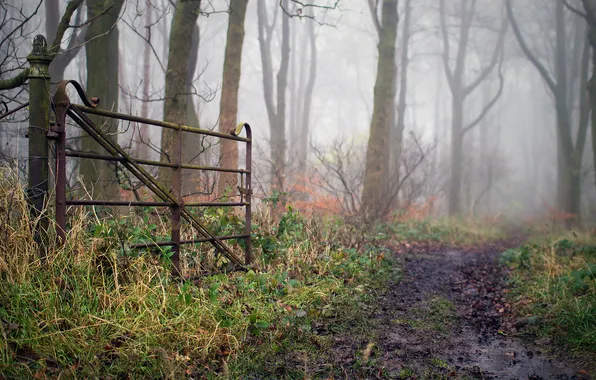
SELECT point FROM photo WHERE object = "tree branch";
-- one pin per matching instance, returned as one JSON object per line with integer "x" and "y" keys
{"x": 575, "y": 10}
{"x": 528, "y": 53}
{"x": 490, "y": 104}
{"x": 373, "y": 13}
{"x": 448, "y": 71}
{"x": 16, "y": 81}
{"x": 494, "y": 59}
{"x": 64, "y": 25}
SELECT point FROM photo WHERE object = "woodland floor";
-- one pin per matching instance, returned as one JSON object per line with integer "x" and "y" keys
{"x": 446, "y": 318}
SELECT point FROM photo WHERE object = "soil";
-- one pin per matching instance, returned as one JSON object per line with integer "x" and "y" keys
{"x": 446, "y": 318}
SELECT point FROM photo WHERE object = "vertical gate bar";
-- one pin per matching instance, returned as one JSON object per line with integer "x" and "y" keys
{"x": 177, "y": 190}
{"x": 61, "y": 170}
{"x": 39, "y": 124}
{"x": 248, "y": 250}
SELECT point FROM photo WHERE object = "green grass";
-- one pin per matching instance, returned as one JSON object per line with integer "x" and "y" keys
{"x": 448, "y": 231}
{"x": 555, "y": 278}
{"x": 93, "y": 309}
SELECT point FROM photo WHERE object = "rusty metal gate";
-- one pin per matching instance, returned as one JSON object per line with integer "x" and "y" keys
{"x": 78, "y": 113}
{"x": 63, "y": 109}
{"x": 41, "y": 132}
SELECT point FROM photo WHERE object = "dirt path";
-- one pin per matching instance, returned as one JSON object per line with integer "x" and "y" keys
{"x": 444, "y": 320}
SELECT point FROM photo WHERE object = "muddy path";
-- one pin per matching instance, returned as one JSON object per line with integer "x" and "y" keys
{"x": 446, "y": 318}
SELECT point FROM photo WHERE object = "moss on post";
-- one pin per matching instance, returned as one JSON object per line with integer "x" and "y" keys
{"x": 39, "y": 123}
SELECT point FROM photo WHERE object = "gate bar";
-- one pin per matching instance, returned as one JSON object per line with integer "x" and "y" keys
{"x": 192, "y": 241}
{"x": 105, "y": 157}
{"x": 157, "y": 123}
{"x": 94, "y": 202}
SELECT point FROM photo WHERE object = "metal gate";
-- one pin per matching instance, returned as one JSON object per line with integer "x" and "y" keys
{"x": 78, "y": 113}
{"x": 41, "y": 132}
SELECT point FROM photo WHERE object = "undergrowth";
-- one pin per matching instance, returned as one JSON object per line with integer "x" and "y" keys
{"x": 554, "y": 279}
{"x": 92, "y": 308}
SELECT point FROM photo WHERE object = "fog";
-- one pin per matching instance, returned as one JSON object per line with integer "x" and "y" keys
{"x": 509, "y": 156}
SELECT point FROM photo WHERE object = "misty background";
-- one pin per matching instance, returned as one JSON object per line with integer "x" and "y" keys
{"x": 509, "y": 155}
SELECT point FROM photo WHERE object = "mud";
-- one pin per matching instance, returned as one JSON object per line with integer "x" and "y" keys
{"x": 446, "y": 318}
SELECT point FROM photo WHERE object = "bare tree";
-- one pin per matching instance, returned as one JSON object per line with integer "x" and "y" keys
{"x": 404, "y": 61}
{"x": 377, "y": 153}
{"x": 590, "y": 16}
{"x": 560, "y": 85}
{"x": 176, "y": 102}
{"x": 101, "y": 48}
{"x": 460, "y": 90}
{"x": 229, "y": 92}
{"x": 276, "y": 110}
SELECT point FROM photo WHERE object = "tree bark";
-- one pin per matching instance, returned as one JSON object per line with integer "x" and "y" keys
{"x": 175, "y": 106}
{"x": 590, "y": 8}
{"x": 229, "y": 93}
{"x": 101, "y": 47}
{"x": 142, "y": 144}
{"x": 398, "y": 132}
{"x": 377, "y": 153}
{"x": 278, "y": 132}
{"x": 193, "y": 149}
{"x": 307, "y": 101}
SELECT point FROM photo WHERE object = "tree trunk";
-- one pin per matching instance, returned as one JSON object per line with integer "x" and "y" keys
{"x": 193, "y": 150}
{"x": 457, "y": 121}
{"x": 229, "y": 93}
{"x": 276, "y": 110}
{"x": 590, "y": 8}
{"x": 99, "y": 177}
{"x": 377, "y": 153}
{"x": 278, "y": 130}
{"x": 175, "y": 106}
{"x": 143, "y": 138}
{"x": 460, "y": 90}
{"x": 307, "y": 101}
{"x": 398, "y": 133}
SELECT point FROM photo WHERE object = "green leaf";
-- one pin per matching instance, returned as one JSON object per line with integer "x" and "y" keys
{"x": 262, "y": 325}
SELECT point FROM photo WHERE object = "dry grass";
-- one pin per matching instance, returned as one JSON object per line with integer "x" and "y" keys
{"x": 91, "y": 309}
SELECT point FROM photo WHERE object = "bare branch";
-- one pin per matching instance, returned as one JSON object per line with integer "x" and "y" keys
{"x": 494, "y": 59}
{"x": 64, "y": 25}
{"x": 575, "y": 10}
{"x": 373, "y": 13}
{"x": 448, "y": 71}
{"x": 531, "y": 57}
{"x": 300, "y": 14}
{"x": 490, "y": 104}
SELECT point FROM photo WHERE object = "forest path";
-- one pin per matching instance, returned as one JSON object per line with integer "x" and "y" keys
{"x": 446, "y": 319}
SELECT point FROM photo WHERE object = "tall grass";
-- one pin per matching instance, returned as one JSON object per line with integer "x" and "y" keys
{"x": 554, "y": 278}
{"x": 91, "y": 309}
